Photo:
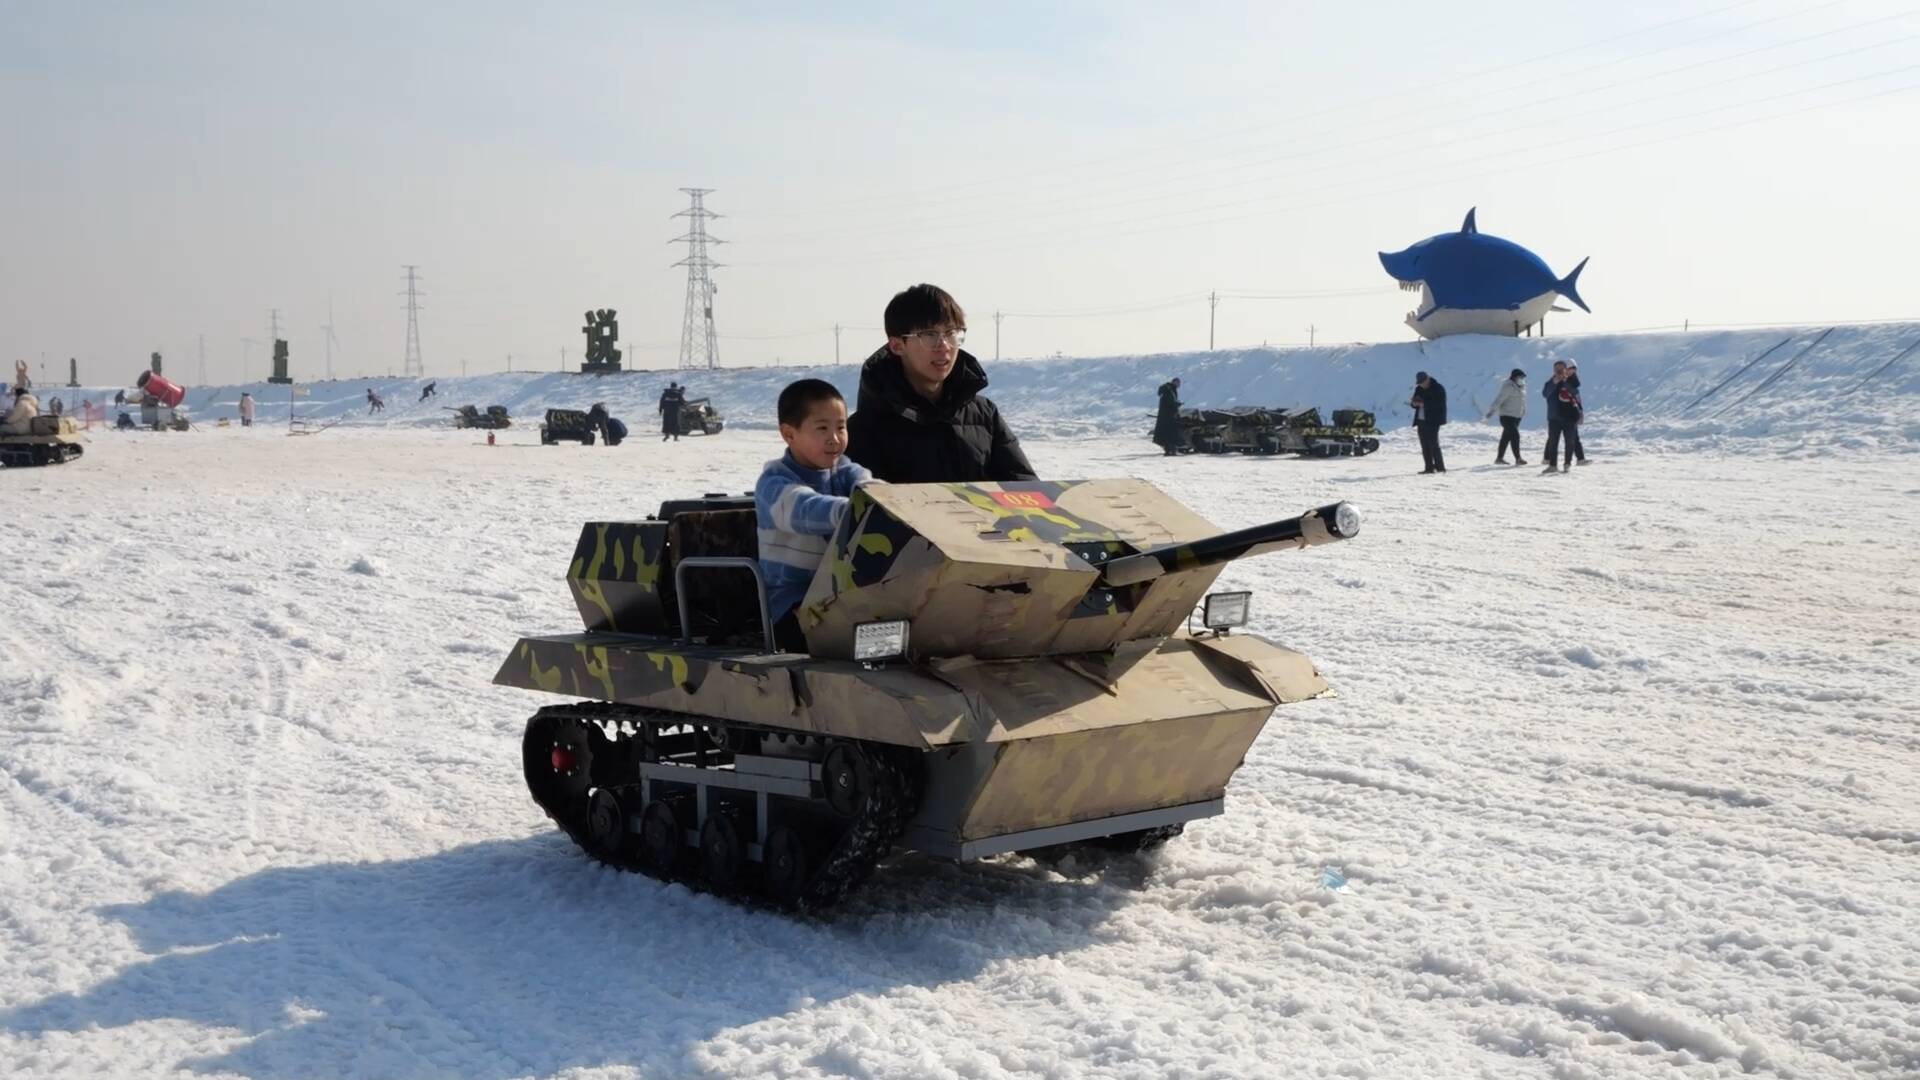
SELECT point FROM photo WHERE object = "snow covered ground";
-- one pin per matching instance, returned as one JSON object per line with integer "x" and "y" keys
{"x": 1620, "y": 782}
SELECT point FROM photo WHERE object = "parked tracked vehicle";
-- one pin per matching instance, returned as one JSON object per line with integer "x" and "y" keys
{"x": 988, "y": 668}
{"x": 1254, "y": 429}
{"x": 470, "y": 416}
{"x": 49, "y": 440}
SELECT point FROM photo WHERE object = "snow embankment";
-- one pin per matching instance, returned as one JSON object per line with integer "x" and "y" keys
{"x": 1818, "y": 390}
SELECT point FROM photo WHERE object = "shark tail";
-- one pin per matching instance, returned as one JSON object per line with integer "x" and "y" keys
{"x": 1566, "y": 286}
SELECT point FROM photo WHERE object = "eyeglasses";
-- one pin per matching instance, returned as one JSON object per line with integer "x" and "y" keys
{"x": 930, "y": 338}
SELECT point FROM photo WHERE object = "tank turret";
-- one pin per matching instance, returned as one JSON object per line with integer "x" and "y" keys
{"x": 1030, "y": 569}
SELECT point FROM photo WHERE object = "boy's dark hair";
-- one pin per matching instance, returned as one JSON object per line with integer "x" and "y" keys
{"x": 923, "y": 307}
{"x": 799, "y": 398}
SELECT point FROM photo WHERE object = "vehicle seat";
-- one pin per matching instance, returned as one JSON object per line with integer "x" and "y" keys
{"x": 723, "y": 605}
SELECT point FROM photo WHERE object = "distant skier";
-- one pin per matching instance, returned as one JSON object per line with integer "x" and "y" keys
{"x": 426, "y": 392}
{"x": 246, "y": 410}
{"x": 1511, "y": 404}
{"x": 374, "y": 404}
{"x": 670, "y": 401}
{"x": 1429, "y": 416}
{"x": 1166, "y": 425}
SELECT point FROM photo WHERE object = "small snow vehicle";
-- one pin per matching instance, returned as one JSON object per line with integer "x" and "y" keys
{"x": 1255, "y": 429}
{"x": 49, "y": 440}
{"x": 986, "y": 668}
{"x": 495, "y": 418}
{"x": 572, "y": 425}
{"x": 698, "y": 417}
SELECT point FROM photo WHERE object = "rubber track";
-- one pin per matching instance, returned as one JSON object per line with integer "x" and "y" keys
{"x": 851, "y": 859}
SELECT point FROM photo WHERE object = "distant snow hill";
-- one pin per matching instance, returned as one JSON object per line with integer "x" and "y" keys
{"x": 1797, "y": 389}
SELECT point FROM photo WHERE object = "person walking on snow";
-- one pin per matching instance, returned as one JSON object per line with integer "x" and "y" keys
{"x": 670, "y": 400}
{"x": 1166, "y": 425}
{"x": 1511, "y": 404}
{"x": 1563, "y": 415}
{"x": 374, "y": 404}
{"x": 426, "y": 392}
{"x": 246, "y": 410}
{"x": 1579, "y": 414}
{"x": 1429, "y": 416}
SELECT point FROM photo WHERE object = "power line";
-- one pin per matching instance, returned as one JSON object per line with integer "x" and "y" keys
{"x": 1115, "y": 228}
{"x": 1079, "y": 201}
{"x": 1028, "y": 178}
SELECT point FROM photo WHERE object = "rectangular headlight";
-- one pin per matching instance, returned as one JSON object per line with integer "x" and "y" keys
{"x": 1225, "y": 610}
{"x": 880, "y": 640}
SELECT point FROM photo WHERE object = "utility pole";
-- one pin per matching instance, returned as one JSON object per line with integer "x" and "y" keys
{"x": 699, "y": 345}
{"x": 273, "y": 326}
{"x": 997, "y": 316}
{"x": 836, "y": 345}
{"x": 1310, "y": 332}
{"x": 463, "y": 367}
{"x": 509, "y": 363}
{"x": 1213, "y": 305}
{"x": 203, "y": 359}
{"x": 415, "y": 367}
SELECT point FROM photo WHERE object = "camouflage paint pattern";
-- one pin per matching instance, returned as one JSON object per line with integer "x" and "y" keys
{"x": 617, "y": 578}
{"x": 1001, "y": 570}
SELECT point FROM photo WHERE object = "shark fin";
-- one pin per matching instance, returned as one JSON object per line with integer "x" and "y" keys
{"x": 1468, "y": 226}
{"x": 1565, "y": 287}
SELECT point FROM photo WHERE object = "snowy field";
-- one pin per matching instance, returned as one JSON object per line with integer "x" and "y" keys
{"x": 1620, "y": 780}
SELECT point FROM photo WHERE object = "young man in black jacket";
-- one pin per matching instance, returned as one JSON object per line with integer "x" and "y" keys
{"x": 1429, "y": 416}
{"x": 920, "y": 417}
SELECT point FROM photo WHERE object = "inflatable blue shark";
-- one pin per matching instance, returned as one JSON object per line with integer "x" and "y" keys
{"x": 1471, "y": 283}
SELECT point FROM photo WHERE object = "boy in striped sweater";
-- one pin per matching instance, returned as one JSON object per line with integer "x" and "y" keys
{"x": 801, "y": 497}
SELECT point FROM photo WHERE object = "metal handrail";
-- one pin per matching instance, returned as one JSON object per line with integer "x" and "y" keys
{"x": 720, "y": 562}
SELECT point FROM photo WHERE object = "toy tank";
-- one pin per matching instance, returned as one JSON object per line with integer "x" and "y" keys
{"x": 987, "y": 668}
{"x": 469, "y": 416}
{"x": 699, "y": 417}
{"x": 1263, "y": 430}
{"x": 49, "y": 440}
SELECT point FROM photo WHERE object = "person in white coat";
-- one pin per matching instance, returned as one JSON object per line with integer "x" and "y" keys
{"x": 1511, "y": 404}
{"x": 19, "y": 416}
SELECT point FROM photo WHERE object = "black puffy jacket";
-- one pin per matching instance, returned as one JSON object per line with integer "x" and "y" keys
{"x": 904, "y": 439}
{"x": 1433, "y": 402}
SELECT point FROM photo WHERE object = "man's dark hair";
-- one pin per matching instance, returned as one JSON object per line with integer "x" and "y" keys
{"x": 799, "y": 398}
{"x": 923, "y": 307}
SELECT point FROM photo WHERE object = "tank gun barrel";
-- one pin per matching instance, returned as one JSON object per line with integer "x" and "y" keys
{"x": 1323, "y": 525}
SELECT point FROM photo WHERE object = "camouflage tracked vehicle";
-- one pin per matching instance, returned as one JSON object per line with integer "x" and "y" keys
{"x": 988, "y": 668}
{"x": 1257, "y": 429}
{"x": 50, "y": 440}
{"x": 469, "y": 416}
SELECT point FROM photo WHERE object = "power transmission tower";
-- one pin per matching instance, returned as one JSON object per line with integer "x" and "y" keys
{"x": 415, "y": 367}
{"x": 330, "y": 339}
{"x": 698, "y": 345}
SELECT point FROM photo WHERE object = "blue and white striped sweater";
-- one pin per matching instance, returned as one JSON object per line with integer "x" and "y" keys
{"x": 797, "y": 509}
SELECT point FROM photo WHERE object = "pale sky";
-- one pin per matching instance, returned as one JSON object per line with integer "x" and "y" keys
{"x": 181, "y": 169}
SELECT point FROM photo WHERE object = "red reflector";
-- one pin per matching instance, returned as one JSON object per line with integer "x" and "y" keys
{"x": 562, "y": 759}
